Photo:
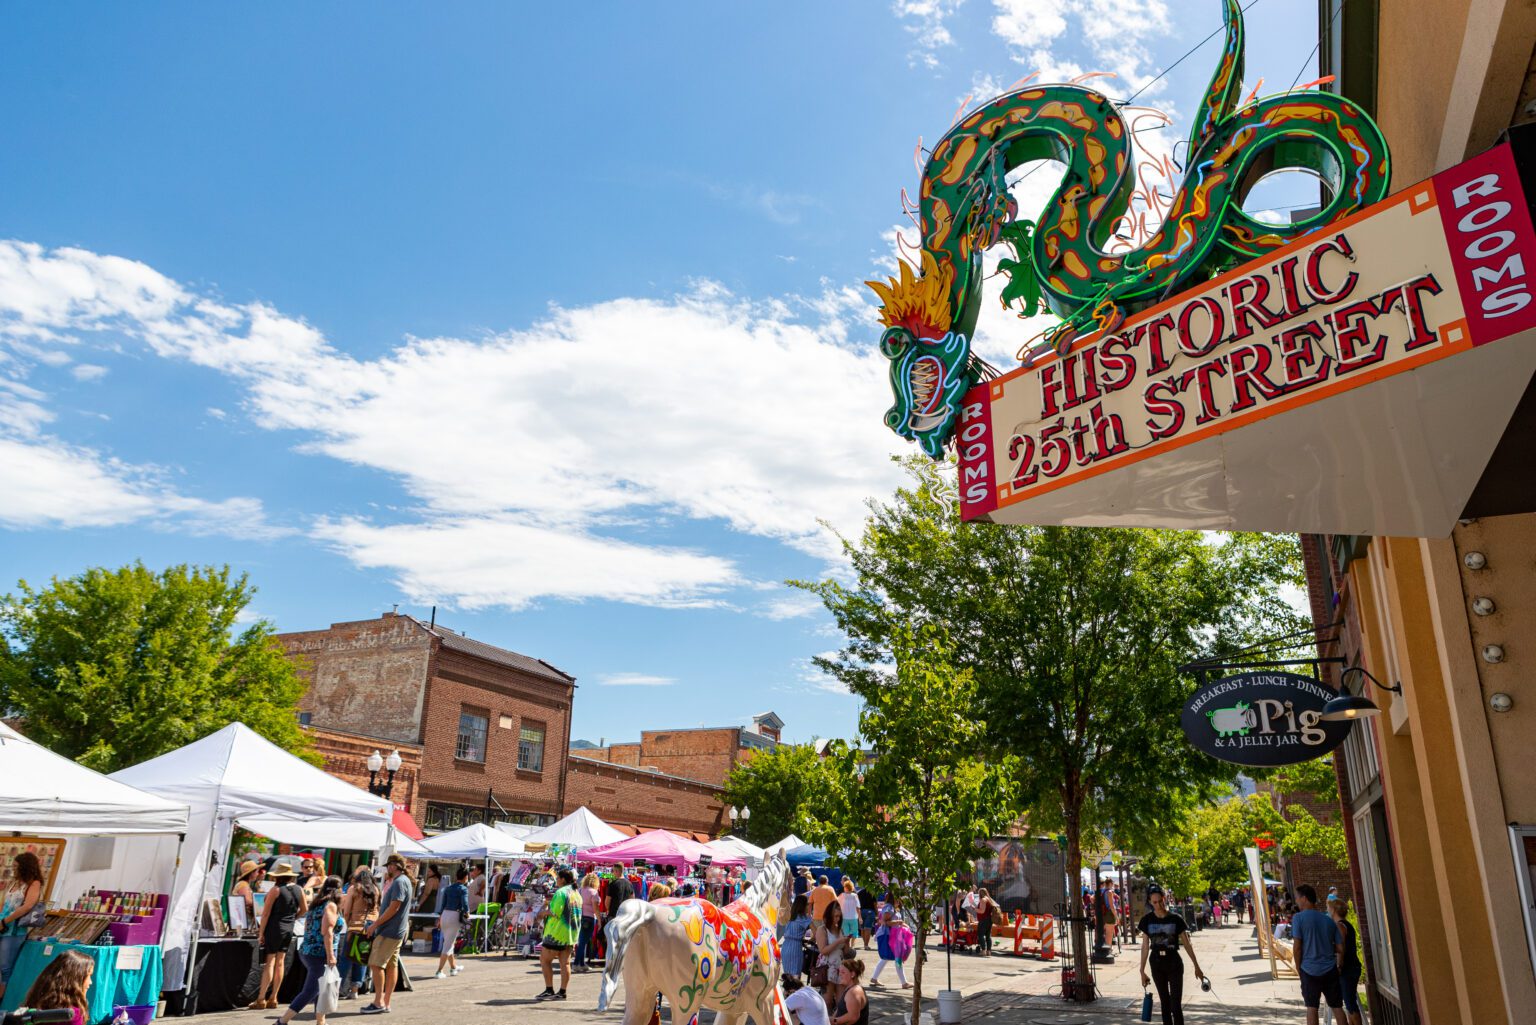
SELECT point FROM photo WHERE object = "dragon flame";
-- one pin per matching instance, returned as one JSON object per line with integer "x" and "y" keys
{"x": 919, "y": 303}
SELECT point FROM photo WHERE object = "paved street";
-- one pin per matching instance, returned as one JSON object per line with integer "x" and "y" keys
{"x": 998, "y": 991}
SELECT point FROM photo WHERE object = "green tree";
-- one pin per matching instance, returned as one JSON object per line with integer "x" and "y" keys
{"x": 1305, "y": 833}
{"x": 774, "y": 785}
{"x": 910, "y": 801}
{"x": 1075, "y": 636}
{"x": 112, "y": 667}
{"x": 1208, "y": 848}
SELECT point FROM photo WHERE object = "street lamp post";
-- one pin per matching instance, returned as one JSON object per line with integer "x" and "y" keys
{"x": 739, "y": 818}
{"x": 377, "y": 762}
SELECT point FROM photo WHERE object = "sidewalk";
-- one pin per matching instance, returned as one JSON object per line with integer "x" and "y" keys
{"x": 1005, "y": 990}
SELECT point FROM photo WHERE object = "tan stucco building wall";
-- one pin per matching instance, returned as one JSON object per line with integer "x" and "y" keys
{"x": 1448, "y": 77}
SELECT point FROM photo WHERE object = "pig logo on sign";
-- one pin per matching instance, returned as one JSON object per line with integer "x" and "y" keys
{"x": 1234, "y": 721}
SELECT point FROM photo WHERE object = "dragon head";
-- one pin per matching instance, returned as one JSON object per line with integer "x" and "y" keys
{"x": 930, "y": 364}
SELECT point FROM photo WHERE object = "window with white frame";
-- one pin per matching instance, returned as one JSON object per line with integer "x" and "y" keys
{"x": 1374, "y": 910}
{"x": 471, "y": 743}
{"x": 1523, "y": 839}
{"x": 530, "y": 748}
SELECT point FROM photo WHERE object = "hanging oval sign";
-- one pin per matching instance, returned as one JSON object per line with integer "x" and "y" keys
{"x": 1263, "y": 719}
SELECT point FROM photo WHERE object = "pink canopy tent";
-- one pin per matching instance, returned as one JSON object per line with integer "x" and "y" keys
{"x": 657, "y": 847}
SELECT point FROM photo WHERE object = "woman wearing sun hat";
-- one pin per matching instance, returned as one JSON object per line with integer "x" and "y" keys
{"x": 283, "y": 906}
{"x": 250, "y": 876}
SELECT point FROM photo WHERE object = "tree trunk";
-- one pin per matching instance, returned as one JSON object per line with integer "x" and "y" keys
{"x": 917, "y": 972}
{"x": 1076, "y": 908}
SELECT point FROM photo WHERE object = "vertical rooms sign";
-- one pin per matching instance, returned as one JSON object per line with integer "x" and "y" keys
{"x": 1262, "y": 719}
{"x": 1429, "y": 275}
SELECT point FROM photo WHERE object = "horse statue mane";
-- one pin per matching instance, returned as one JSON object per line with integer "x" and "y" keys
{"x": 698, "y": 956}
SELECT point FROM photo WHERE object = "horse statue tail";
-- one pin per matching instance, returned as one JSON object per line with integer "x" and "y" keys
{"x": 632, "y": 914}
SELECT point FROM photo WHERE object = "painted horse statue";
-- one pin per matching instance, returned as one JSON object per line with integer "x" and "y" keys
{"x": 1064, "y": 260}
{"x": 700, "y": 956}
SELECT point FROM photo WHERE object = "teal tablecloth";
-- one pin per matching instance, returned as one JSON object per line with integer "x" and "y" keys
{"x": 110, "y": 986}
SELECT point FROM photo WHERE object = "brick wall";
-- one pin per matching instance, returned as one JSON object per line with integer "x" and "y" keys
{"x": 706, "y": 755}
{"x": 510, "y": 701}
{"x": 1319, "y": 871}
{"x": 617, "y": 793}
{"x": 367, "y": 677}
{"x": 346, "y": 758}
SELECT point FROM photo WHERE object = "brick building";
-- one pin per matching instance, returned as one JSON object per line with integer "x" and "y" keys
{"x": 636, "y": 799}
{"x": 1314, "y": 869}
{"x": 492, "y": 727}
{"x": 706, "y": 754}
{"x": 346, "y": 757}
{"x": 484, "y": 734}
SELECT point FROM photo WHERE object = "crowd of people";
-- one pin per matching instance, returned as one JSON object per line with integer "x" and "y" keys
{"x": 357, "y": 927}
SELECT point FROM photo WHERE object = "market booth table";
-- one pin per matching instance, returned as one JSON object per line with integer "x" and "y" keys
{"x": 235, "y": 776}
{"x": 125, "y": 976}
{"x": 57, "y": 809}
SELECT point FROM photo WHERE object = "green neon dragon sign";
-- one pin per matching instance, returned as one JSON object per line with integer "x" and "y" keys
{"x": 930, "y": 311}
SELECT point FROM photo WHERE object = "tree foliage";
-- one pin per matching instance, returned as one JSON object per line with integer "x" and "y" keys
{"x": 1208, "y": 849}
{"x": 1074, "y": 636}
{"x": 913, "y": 808}
{"x": 775, "y": 785}
{"x": 112, "y": 667}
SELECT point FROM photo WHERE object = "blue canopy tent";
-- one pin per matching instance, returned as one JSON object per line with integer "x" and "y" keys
{"x": 818, "y": 861}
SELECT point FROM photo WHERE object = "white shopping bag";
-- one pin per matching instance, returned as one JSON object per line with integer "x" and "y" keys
{"x": 330, "y": 991}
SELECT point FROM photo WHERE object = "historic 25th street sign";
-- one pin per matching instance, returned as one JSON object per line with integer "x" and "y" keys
{"x": 1357, "y": 362}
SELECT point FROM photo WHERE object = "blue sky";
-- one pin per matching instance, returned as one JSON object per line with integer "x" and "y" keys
{"x": 550, "y": 316}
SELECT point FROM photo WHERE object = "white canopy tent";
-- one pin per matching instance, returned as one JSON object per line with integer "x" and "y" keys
{"x": 736, "y": 847}
{"x": 517, "y": 829}
{"x": 784, "y": 846}
{"x": 345, "y": 836}
{"x": 229, "y": 776}
{"x": 477, "y": 842}
{"x": 48, "y": 793}
{"x": 42, "y": 793}
{"x": 580, "y": 829}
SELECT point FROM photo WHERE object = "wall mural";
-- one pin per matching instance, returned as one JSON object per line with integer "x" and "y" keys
{"x": 1067, "y": 260}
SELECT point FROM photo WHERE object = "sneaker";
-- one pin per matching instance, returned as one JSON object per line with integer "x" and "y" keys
{"x": 455, "y": 971}
{"x": 374, "y": 1009}
{"x": 548, "y": 994}
{"x": 560, "y": 995}
{"x": 440, "y": 975}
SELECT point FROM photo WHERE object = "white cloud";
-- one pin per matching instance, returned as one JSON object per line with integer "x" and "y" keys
{"x": 792, "y": 605}
{"x": 46, "y": 483}
{"x": 634, "y": 680}
{"x": 1115, "y": 34}
{"x": 88, "y": 372}
{"x": 813, "y": 679}
{"x": 484, "y": 561}
{"x": 1029, "y": 24}
{"x": 927, "y": 22}
{"x": 568, "y": 443}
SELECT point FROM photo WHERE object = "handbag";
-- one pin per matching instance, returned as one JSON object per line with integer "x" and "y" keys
{"x": 361, "y": 947}
{"x": 330, "y": 991}
{"x": 819, "y": 975}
